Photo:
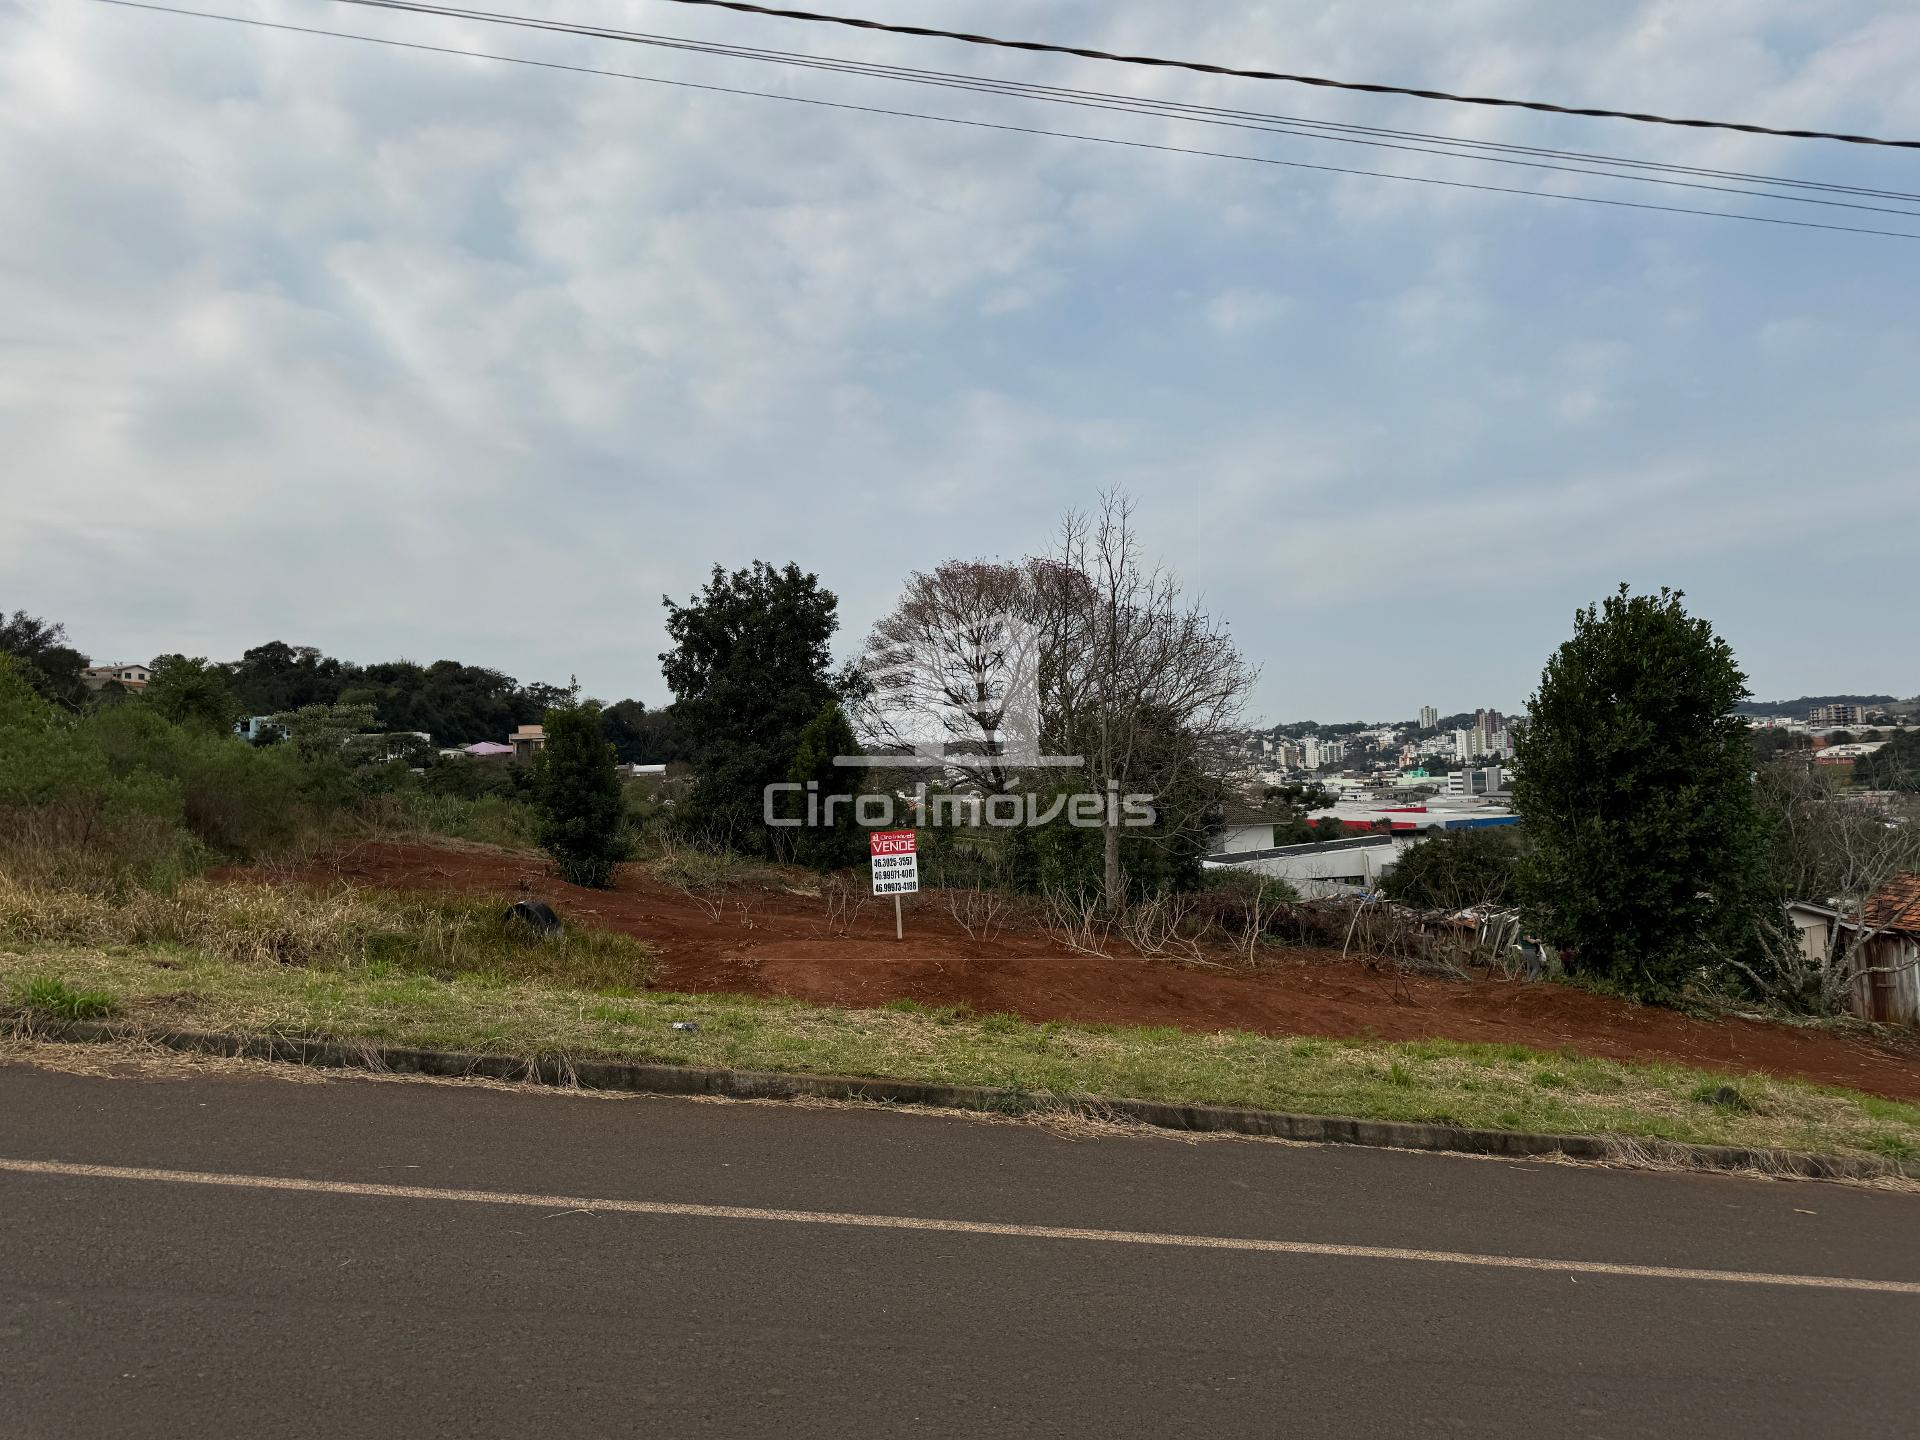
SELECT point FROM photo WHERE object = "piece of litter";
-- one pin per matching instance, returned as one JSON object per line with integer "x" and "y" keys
{"x": 1798, "y": 1211}
{"x": 692, "y": 1027}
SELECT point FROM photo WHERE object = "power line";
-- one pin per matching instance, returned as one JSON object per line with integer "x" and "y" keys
{"x": 1316, "y": 80}
{"x": 1000, "y": 126}
{"x": 1448, "y": 146}
{"x": 1252, "y": 120}
{"x": 1462, "y": 146}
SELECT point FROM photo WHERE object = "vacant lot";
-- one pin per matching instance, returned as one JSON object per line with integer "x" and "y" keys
{"x": 777, "y": 934}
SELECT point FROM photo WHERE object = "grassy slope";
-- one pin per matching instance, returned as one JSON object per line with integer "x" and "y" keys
{"x": 484, "y": 998}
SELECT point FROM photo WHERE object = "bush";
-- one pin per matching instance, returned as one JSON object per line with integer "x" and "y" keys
{"x": 843, "y": 843}
{"x": 1457, "y": 869}
{"x": 579, "y": 800}
{"x": 42, "y": 758}
{"x": 237, "y": 799}
{"x": 470, "y": 779}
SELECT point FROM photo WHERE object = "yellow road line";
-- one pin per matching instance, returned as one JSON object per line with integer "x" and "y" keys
{"x": 855, "y": 1220}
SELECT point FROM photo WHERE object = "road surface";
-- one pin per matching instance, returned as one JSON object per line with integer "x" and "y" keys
{"x": 217, "y": 1256}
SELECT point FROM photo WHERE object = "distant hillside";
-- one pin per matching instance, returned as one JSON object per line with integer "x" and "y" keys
{"x": 1807, "y": 702}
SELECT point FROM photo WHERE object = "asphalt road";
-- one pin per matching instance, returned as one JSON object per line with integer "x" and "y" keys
{"x": 149, "y": 1301}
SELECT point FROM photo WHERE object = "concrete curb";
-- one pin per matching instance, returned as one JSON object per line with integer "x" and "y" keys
{"x": 558, "y": 1070}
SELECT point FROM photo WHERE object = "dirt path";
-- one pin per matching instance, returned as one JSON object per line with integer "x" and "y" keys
{"x": 778, "y": 942}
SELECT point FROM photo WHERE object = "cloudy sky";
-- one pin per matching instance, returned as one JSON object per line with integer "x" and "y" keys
{"x": 407, "y": 354}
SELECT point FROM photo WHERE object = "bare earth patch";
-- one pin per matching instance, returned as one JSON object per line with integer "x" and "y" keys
{"x": 775, "y": 936}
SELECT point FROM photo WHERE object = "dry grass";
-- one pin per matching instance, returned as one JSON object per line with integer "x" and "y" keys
{"x": 284, "y": 926}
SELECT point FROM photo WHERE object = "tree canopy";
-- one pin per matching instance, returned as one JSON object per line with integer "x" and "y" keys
{"x": 48, "y": 664}
{"x": 1457, "y": 869}
{"x": 192, "y": 692}
{"x": 750, "y": 667}
{"x": 1635, "y": 778}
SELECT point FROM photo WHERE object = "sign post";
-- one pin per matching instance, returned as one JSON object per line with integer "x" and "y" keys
{"x": 895, "y": 857}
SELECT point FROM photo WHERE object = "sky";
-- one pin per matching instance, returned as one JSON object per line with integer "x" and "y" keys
{"x": 415, "y": 355}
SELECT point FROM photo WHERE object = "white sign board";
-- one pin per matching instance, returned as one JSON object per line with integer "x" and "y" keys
{"x": 896, "y": 862}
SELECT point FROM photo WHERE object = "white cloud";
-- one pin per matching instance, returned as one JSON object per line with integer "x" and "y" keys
{"x": 397, "y": 352}
{"x": 1235, "y": 312}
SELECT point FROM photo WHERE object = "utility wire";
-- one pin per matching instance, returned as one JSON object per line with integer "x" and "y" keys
{"x": 1449, "y": 146}
{"x": 1132, "y": 104}
{"x": 1174, "y": 109}
{"x": 1317, "y": 80}
{"x": 1464, "y": 146}
{"x": 1012, "y": 129}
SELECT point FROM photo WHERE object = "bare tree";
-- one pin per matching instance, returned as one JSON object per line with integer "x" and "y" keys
{"x": 1840, "y": 852}
{"x": 1135, "y": 678}
{"x": 1085, "y": 658}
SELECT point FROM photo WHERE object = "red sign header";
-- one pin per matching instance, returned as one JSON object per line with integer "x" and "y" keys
{"x": 892, "y": 842}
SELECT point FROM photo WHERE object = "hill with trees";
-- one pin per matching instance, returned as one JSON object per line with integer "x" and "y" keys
{"x": 1799, "y": 708}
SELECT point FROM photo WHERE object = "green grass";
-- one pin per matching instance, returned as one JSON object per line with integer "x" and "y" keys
{"x": 497, "y": 997}
{"x": 53, "y": 998}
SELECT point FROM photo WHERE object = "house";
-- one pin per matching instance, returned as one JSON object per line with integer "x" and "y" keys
{"x": 127, "y": 677}
{"x": 255, "y": 729}
{"x": 381, "y": 748}
{"x": 487, "y": 750}
{"x": 528, "y": 741}
{"x": 1886, "y": 930}
{"x": 637, "y": 772}
{"x": 1244, "y": 828}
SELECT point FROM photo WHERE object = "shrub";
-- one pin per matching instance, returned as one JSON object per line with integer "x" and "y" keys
{"x": 843, "y": 843}
{"x": 579, "y": 799}
{"x": 237, "y": 799}
{"x": 1456, "y": 869}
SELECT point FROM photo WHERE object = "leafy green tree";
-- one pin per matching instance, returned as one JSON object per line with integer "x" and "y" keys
{"x": 844, "y": 842}
{"x": 1768, "y": 743}
{"x": 192, "y": 693}
{"x": 41, "y": 758}
{"x": 1303, "y": 795}
{"x": 277, "y": 677}
{"x": 646, "y": 737}
{"x": 749, "y": 664}
{"x": 319, "y": 732}
{"x": 577, "y": 794}
{"x": 50, "y": 665}
{"x": 1458, "y": 868}
{"x": 1635, "y": 778}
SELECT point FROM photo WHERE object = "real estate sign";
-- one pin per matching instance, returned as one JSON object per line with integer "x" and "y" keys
{"x": 896, "y": 861}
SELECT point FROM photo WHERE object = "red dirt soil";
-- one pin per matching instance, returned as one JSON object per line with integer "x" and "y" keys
{"x": 780, "y": 944}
